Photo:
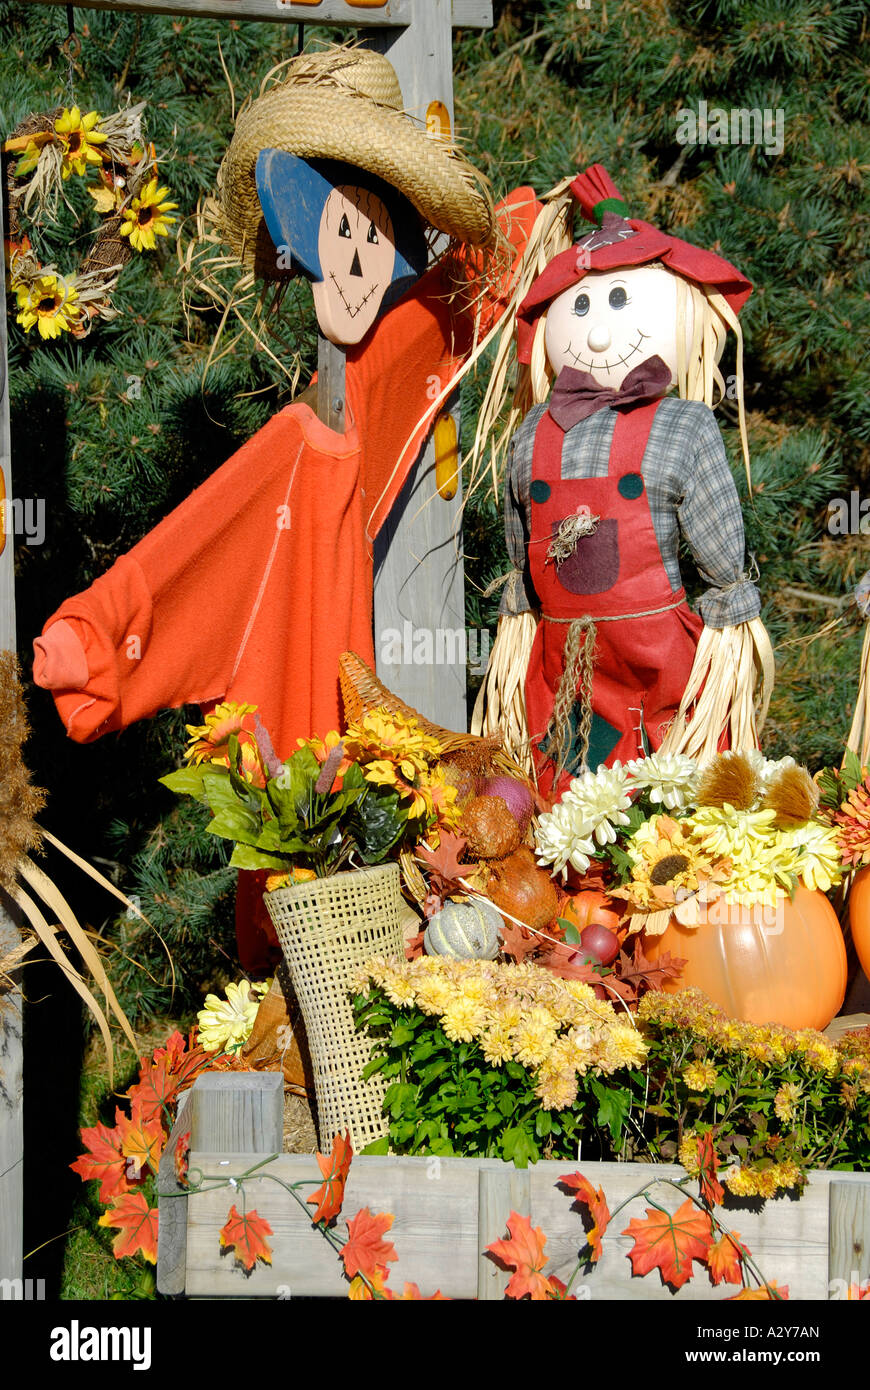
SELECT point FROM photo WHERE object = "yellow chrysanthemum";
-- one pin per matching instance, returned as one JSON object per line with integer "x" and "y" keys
{"x": 462, "y": 1020}
{"x": 434, "y": 995}
{"x": 764, "y": 861}
{"x": 50, "y": 303}
{"x": 146, "y": 217}
{"x": 497, "y": 1044}
{"x": 225, "y": 1024}
{"x": 399, "y": 989}
{"x": 700, "y": 1076}
{"x": 786, "y": 1099}
{"x": 556, "y": 1089}
{"x": 534, "y": 1037}
{"x": 763, "y": 1182}
{"x": 687, "y": 1153}
{"x": 818, "y": 850}
{"x": 80, "y": 139}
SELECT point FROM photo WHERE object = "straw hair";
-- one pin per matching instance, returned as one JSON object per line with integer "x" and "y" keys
{"x": 346, "y": 104}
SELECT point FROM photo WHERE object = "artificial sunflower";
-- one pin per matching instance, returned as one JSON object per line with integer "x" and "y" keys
{"x": 80, "y": 140}
{"x": 380, "y": 736}
{"x": 225, "y": 1024}
{"x": 49, "y": 302}
{"x": 209, "y": 742}
{"x": 146, "y": 217}
{"x": 669, "y": 865}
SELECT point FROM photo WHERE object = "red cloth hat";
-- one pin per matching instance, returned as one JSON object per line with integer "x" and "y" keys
{"x": 616, "y": 242}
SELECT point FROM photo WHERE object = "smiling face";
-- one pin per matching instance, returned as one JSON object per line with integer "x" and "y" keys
{"x": 611, "y": 321}
{"x": 357, "y": 254}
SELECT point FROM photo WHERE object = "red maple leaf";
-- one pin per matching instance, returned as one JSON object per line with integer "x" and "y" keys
{"x": 724, "y": 1259}
{"x": 186, "y": 1060}
{"x": 137, "y": 1224}
{"x": 182, "y": 1149}
{"x": 523, "y": 1252}
{"x": 104, "y": 1163}
{"x": 647, "y": 974}
{"x": 364, "y": 1249}
{"x": 444, "y": 863}
{"x": 517, "y": 942}
{"x": 330, "y": 1194}
{"x": 141, "y": 1141}
{"x": 771, "y": 1292}
{"x": 154, "y": 1091}
{"x": 712, "y": 1191}
{"x": 171, "y": 1069}
{"x": 669, "y": 1242}
{"x": 245, "y": 1233}
{"x": 559, "y": 1291}
{"x": 593, "y": 1200}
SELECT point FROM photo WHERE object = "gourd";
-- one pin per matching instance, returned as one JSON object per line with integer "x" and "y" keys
{"x": 859, "y": 917}
{"x": 464, "y": 931}
{"x": 762, "y": 965}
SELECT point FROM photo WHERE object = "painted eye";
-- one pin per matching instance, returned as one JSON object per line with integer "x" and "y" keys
{"x": 373, "y": 234}
{"x": 581, "y": 305}
{"x": 344, "y": 226}
{"x": 617, "y": 299}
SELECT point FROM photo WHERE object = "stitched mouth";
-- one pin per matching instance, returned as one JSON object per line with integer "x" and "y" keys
{"x": 608, "y": 366}
{"x": 351, "y": 311}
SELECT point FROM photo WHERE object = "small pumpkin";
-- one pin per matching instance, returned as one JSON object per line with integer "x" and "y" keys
{"x": 786, "y": 967}
{"x": 591, "y": 905}
{"x": 859, "y": 917}
{"x": 464, "y": 931}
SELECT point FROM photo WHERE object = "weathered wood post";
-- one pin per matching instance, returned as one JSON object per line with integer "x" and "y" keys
{"x": 11, "y": 1100}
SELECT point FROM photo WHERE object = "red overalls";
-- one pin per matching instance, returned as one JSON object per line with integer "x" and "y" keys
{"x": 646, "y": 633}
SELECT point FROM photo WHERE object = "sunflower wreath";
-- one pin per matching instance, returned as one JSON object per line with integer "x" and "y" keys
{"x": 39, "y": 157}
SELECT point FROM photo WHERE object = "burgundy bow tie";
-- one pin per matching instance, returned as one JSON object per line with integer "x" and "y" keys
{"x": 577, "y": 395}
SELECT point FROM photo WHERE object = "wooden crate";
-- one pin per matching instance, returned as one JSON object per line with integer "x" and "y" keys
{"x": 448, "y": 1210}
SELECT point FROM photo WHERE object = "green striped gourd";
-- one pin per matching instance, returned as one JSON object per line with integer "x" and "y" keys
{"x": 464, "y": 931}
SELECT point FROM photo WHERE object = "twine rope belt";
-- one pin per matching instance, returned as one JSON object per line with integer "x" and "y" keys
{"x": 576, "y": 683}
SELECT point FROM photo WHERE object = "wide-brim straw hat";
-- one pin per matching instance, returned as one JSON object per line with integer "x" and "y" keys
{"x": 346, "y": 104}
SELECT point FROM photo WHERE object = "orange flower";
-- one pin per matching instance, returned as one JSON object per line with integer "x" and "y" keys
{"x": 321, "y": 748}
{"x": 210, "y": 742}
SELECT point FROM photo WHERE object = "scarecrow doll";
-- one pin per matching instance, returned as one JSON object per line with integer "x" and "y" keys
{"x": 254, "y": 585}
{"x": 606, "y": 474}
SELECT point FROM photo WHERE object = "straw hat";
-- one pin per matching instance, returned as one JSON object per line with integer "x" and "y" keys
{"x": 346, "y": 104}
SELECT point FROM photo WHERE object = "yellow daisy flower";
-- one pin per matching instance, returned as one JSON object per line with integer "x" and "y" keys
{"x": 80, "y": 139}
{"x": 49, "y": 302}
{"x": 146, "y": 217}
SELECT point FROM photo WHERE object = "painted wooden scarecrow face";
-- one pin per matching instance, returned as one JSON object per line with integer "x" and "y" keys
{"x": 357, "y": 251}
{"x": 611, "y": 321}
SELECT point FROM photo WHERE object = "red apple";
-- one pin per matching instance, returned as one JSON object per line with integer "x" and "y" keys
{"x": 598, "y": 941}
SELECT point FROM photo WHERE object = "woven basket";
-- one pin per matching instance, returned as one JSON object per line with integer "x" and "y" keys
{"x": 327, "y": 928}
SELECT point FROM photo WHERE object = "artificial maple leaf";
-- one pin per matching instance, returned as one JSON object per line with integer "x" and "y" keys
{"x": 559, "y": 1290}
{"x": 362, "y": 1292}
{"x": 858, "y": 1292}
{"x": 330, "y": 1194}
{"x": 104, "y": 1163}
{"x": 712, "y": 1191}
{"x": 593, "y": 1200}
{"x": 364, "y": 1249}
{"x": 141, "y": 1140}
{"x": 724, "y": 1259}
{"x": 137, "y": 1226}
{"x": 647, "y": 974}
{"x": 669, "y": 1242}
{"x": 768, "y": 1292}
{"x": 411, "y": 1294}
{"x": 182, "y": 1149}
{"x": 517, "y": 942}
{"x": 523, "y": 1252}
{"x": 444, "y": 863}
{"x": 245, "y": 1233}
{"x": 154, "y": 1091}
{"x": 186, "y": 1060}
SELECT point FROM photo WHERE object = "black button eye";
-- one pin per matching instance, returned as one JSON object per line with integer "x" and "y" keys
{"x": 373, "y": 234}
{"x": 617, "y": 299}
{"x": 581, "y": 305}
{"x": 344, "y": 226}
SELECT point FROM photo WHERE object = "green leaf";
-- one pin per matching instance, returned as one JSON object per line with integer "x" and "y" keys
{"x": 186, "y": 781}
{"x": 572, "y": 935}
{"x": 247, "y": 857}
{"x": 219, "y": 790}
{"x": 378, "y": 1146}
{"x": 543, "y": 1124}
{"x": 401, "y": 1034}
{"x": 378, "y": 823}
{"x": 373, "y": 1067}
{"x": 518, "y": 1147}
{"x": 613, "y": 1106}
{"x": 235, "y": 823}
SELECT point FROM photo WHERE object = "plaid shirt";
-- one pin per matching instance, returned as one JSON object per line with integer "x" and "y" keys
{"x": 690, "y": 490}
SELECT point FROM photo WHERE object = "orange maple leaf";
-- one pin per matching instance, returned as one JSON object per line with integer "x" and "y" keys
{"x": 137, "y": 1224}
{"x": 245, "y": 1232}
{"x": 518, "y": 943}
{"x": 712, "y": 1191}
{"x": 411, "y": 1294}
{"x": 771, "y": 1292}
{"x": 523, "y": 1252}
{"x": 364, "y": 1250}
{"x": 154, "y": 1092}
{"x": 330, "y": 1194}
{"x": 141, "y": 1141}
{"x": 362, "y": 1292}
{"x": 858, "y": 1292}
{"x": 593, "y": 1200}
{"x": 104, "y": 1163}
{"x": 669, "y": 1242}
{"x": 725, "y": 1259}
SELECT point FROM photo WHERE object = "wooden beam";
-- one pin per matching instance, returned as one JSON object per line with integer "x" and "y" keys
{"x": 467, "y": 14}
{"x": 419, "y": 572}
{"x": 330, "y": 384}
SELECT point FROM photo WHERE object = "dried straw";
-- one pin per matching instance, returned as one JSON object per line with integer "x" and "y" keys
{"x": 720, "y": 700}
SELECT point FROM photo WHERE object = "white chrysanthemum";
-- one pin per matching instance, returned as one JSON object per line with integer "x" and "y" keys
{"x": 601, "y": 798}
{"x": 668, "y": 777}
{"x": 225, "y": 1024}
{"x": 562, "y": 838}
{"x": 819, "y": 863}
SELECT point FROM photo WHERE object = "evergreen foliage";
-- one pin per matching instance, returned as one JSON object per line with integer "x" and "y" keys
{"x": 550, "y": 88}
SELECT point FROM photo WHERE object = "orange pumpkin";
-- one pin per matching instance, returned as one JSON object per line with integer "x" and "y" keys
{"x": 582, "y": 909}
{"x": 787, "y": 966}
{"x": 859, "y": 917}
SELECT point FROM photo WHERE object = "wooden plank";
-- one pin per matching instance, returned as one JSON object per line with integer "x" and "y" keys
{"x": 330, "y": 384}
{"x": 344, "y": 12}
{"x": 500, "y": 1192}
{"x": 472, "y": 14}
{"x": 419, "y": 573}
{"x": 439, "y": 1229}
{"x": 172, "y": 1210}
{"x": 846, "y": 1023}
{"x": 849, "y": 1237}
{"x": 238, "y": 1112}
{"x": 11, "y": 1089}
